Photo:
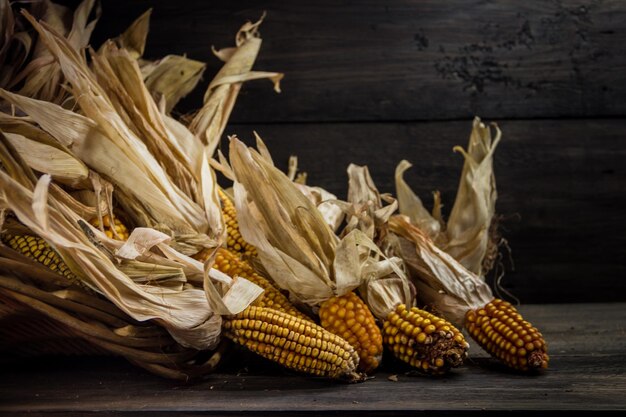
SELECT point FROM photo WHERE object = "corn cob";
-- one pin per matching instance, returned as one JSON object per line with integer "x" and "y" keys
{"x": 500, "y": 330}
{"x": 292, "y": 342}
{"x": 229, "y": 263}
{"x": 349, "y": 317}
{"x": 38, "y": 249}
{"x": 234, "y": 240}
{"x": 423, "y": 340}
{"x": 119, "y": 227}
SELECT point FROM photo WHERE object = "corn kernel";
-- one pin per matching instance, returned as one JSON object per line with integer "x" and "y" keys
{"x": 334, "y": 358}
{"x": 336, "y": 315}
{"x": 419, "y": 344}
{"x": 515, "y": 341}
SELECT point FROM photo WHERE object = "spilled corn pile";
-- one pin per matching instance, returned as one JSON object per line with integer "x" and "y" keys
{"x": 117, "y": 238}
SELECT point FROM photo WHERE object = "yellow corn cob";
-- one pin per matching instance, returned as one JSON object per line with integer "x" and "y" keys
{"x": 230, "y": 264}
{"x": 349, "y": 317}
{"x": 292, "y": 342}
{"x": 423, "y": 340}
{"x": 500, "y": 330}
{"x": 234, "y": 240}
{"x": 120, "y": 228}
{"x": 38, "y": 249}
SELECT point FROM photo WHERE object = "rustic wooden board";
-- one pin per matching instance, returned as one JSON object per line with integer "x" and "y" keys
{"x": 561, "y": 189}
{"x": 405, "y": 59}
{"x": 588, "y": 373}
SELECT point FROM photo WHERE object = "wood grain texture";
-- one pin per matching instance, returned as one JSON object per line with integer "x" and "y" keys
{"x": 405, "y": 59}
{"x": 587, "y": 373}
{"x": 560, "y": 187}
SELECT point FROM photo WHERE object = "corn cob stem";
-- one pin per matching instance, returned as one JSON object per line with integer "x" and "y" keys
{"x": 349, "y": 317}
{"x": 423, "y": 340}
{"x": 501, "y": 331}
{"x": 292, "y": 342}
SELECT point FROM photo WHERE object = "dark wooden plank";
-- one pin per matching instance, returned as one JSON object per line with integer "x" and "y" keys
{"x": 588, "y": 373}
{"x": 560, "y": 183}
{"x": 406, "y": 59}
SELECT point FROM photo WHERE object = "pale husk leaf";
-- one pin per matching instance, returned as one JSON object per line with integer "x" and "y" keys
{"x": 172, "y": 78}
{"x": 119, "y": 75}
{"x": 295, "y": 245}
{"x": 474, "y": 207}
{"x": 466, "y": 234}
{"x": 85, "y": 139}
{"x": 44, "y": 79}
{"x": 187, "y": 144}
{"x": 385, "y": 288}
{"x": 386, "y": 281}
{"x": 440, "y": 280}
{"x": 220, "y": 97}
{"x": 44, "y": 158}
{"x": 134, "y": 37}
{"x": 326, "y": 204}
{"x": 174, "y": 309}
{"x": 411, "y": 205}
{"x": 239, "y": 292}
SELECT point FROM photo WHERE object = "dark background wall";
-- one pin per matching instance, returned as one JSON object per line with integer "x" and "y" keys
{"x": 373, "y": 82}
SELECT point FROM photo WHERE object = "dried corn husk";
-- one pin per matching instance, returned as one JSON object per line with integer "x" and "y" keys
{"x": 466, "y": 235}
{"x": 15, "y": 45}
{"x": 49, "y": 159}
{"x": 440, "y": 280}
{"x": 323, "y": 200}
{"x": 116, "y": 137}
{"x": 191, "y": 315}
{"x": 386, "y": 282}
{"x": 134, "y": 37}
{"x": 171, "y": 78}
{"x": 294, "y": 243}
{"x": 42, "y": 76}
{"x": 105, "y": 138}
{"x": 220, "y": 96}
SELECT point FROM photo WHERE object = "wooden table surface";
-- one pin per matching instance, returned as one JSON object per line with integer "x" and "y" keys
{"x": 587, "y": 373}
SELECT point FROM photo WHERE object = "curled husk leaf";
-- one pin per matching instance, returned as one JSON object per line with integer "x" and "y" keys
{"x": 386, "y": 282}
{"x": 220, "y": 96}
{"x": 441, "y": 281}
{"x": 466, "y": 235}
{"x": 115, "y": 137}
{"x": 294, "y": 242}
{"x": 167, "y": 79}
{"x": 121, "y": 135}
{"x": 325, "y": 201}
{"x": 191, "y": 315}
{"x": 42, "y": 78}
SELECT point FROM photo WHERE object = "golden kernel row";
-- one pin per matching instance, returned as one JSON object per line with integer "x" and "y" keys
{"x": 119, "y": 227}
{"x": 423, "y": 340}
{"x": 234, "y": 240}
{"x": 38, "y": 249}
{"x": 501, "y": 330}
{"x": 292, "y": 342}
{"x": 349, "y": 317}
